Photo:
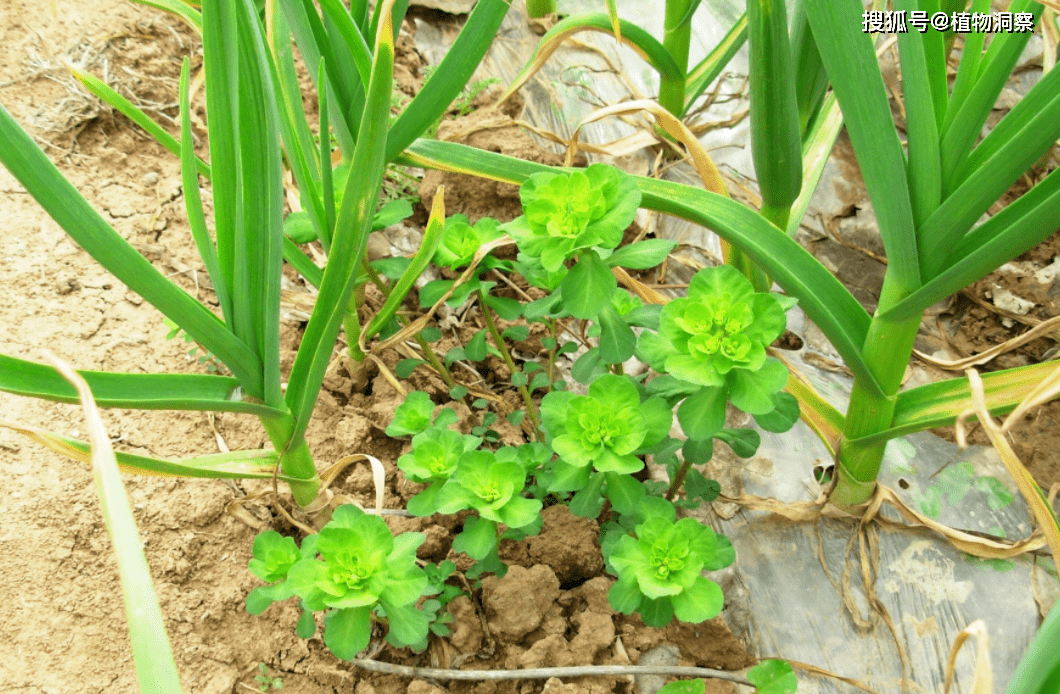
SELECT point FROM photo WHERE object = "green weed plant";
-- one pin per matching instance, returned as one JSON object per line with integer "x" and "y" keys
{"x": 706, "y": 351}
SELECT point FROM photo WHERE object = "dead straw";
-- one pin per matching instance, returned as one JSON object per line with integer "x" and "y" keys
{"x": 546, "y": 672}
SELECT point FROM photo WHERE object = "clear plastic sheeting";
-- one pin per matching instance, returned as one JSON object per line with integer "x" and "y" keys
{"x": 797, "y": 590}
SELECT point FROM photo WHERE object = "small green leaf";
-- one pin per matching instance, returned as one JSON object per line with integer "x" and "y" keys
{"x": 624, "y": 596}
{"x": 299, "y": 228}
{"x": 724, "y": 554}
{"x": 408, "y": 625}
{"x": 478, "y": 538}
{"x": 645, "y": 317}
{"x": 641, "y": 255}
{"x": 569, "y": 478}
{"x": 455, "y": 354}
{"x": 703, "y": 415}
{"x": 431, "y": 334}
{"x": 476, "y": 346}
{"x": 684, "y": 687}
{"x": 405, "y": 367}
{"x": 539, "y": 381}
{"x": 412, "y": 416}
{"x": 589, "y": 502}
{"x": 699, "y": 487}
{"x": 624, "y": 492}
{"x": 519, "y": 379}
{"x": 616, "y": 337}
{"x": 516, "y": 417}
{"x": 517, "y": 333}
{"x": 656, "y": 613}
{"x": 446, "y": 416}
{"x": 782, "y": 417}
{"x": 431, "y": 292}
{"x": 391, "y": 213}
{"x": 588, "y": 287}
{"x": 587, "y": 366}
{"x": 753, "y": 392}
{"x": 457, "y": 392}
{"x": 346, "y": 632}
{"x": 743, "y": 442}
{"x": 489, "y": 418}
{"x": 274, "y": 555}
{"x": 546, "y": 306}
{"x": 508, "y": 309}
{"x": 773, "y": 677}
{"x": 426, "y": 502}
{"x": 391, "y": 268}
{"x": 699, "y": 602}
{"x": 262, "y": 597}
{"x": 698, "y": 452}
{"x": 306, "y": 626}
{"x": 671, "y": 389}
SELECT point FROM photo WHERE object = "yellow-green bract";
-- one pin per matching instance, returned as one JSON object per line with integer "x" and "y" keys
{"x": 490, "y": 487}
{"x": 361, "y": 568}
{"x": 604, "y": 428}
{"x": 659, "y": 572}
{"x": 568, "y": 212}
{"x": 461, "y": 240}
{"x": 717, "y": 337}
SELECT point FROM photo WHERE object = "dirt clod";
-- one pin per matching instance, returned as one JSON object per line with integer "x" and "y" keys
{"x": 517, "y": 603}
{"x": 569, "y": 545}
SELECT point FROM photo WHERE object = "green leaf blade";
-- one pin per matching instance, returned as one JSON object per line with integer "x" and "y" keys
{"x": 850, "y": 58}
{"x": 351, "y": 237}
{"x": 776, "y": 146}
{"x": 72, "y": 212}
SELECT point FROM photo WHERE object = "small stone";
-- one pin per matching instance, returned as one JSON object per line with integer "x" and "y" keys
{"x": 151, "y": 178}
{"x": 65, "y": 285}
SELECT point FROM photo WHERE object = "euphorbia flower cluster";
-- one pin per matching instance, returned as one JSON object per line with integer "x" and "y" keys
{"x": 361, "y": 568}
{"x": 717, "y": 337}
{"x": 659, "y": 572}
{"x": 605, "y": 427}
{"x": 567, "y": 212}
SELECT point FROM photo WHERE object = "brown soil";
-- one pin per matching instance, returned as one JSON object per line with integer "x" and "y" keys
{"x": 65, "y": 627}
{"x": 972, "y": 324}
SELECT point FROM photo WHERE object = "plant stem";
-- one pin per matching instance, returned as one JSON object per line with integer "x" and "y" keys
{"x": 778, "y": 217}
{"x": 351, "y": 325}
{"x": 537, "y": 9}
{"x": 677, "y": 34}
{"x": 440, "y": 368}
{"x": 295, "y": 461}
{"x": 437, "y": 364}
{"x": 498, "y": 340}
{"x": 376, "y": 279}
{"x": 678, "y": 479}
{"x": 888, "y": 347}
{"x": 552, "y": 352}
